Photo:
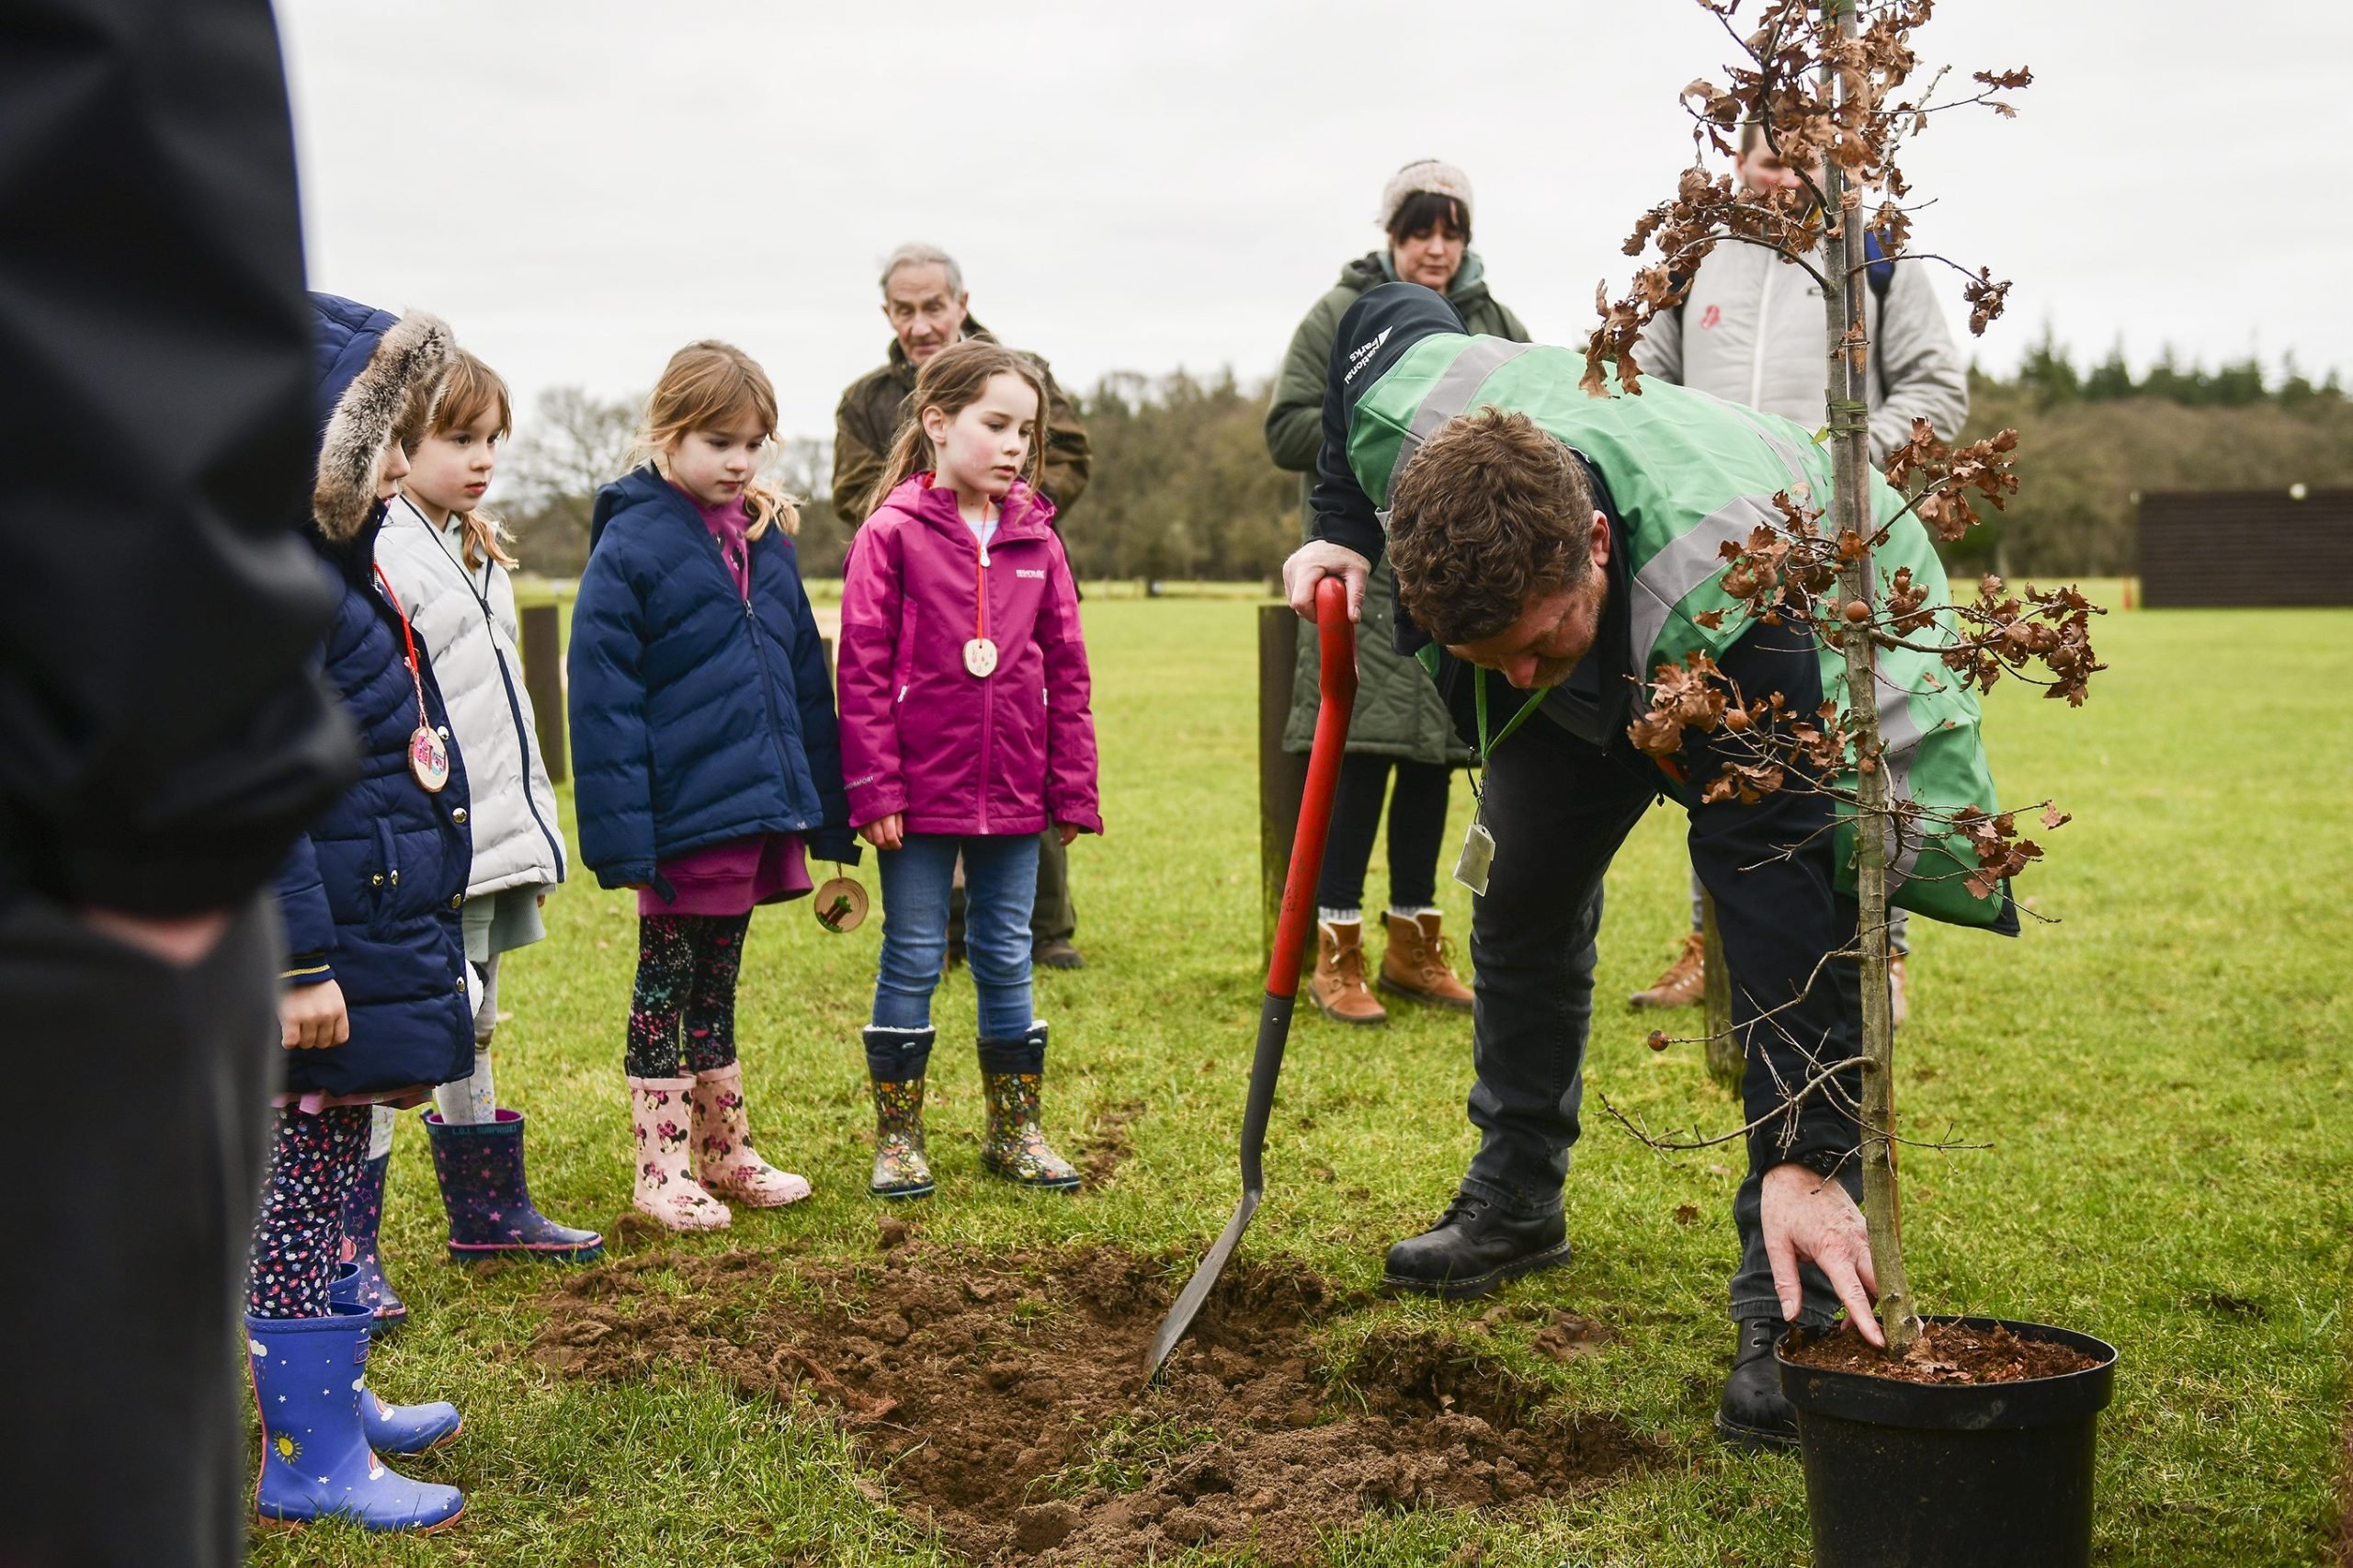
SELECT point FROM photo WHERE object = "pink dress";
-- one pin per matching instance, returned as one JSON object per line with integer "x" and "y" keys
{"x": 738, "y": 876}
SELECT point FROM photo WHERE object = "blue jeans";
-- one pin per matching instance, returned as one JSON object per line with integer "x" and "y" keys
{"x": 1000, "y": 882}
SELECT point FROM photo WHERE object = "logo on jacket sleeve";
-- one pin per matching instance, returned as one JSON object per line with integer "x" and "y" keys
{"x": 1712, "y": 316}
{"x": 1358, "y": 358}
{"x": 1038, "y": 573}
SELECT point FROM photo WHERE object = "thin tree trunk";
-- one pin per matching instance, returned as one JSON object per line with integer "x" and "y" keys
{"x": 1848, "y": 355}
{"x": 1726, "y": 1063}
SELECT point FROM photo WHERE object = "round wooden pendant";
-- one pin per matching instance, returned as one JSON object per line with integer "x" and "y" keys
{"x": 429, "y": 758}
{"x": 979, "y": 656}
{"x": 840, "y": 905}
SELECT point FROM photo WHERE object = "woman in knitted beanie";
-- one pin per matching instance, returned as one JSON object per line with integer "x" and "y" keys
{"x": 1400, "y": 724}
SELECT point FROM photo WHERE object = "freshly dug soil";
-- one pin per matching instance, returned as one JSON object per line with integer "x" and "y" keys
{"x": 1005, "y": 1397}
{"x": 1945, "y": 1353}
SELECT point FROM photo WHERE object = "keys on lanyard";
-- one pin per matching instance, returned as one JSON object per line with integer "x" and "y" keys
{"x": 1479, "y": 843}
{"x": 428, "y": 754}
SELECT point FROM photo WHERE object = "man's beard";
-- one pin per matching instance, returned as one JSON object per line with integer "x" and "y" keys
{"x": 1551, "y": 673}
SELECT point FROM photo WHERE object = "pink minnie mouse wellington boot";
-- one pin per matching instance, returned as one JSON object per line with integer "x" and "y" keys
{"x": 667, "y": 1190}
{"x": 724, "y": 1157}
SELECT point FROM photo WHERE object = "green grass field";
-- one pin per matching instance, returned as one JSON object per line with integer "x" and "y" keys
{"x": 2163, "y": 1077}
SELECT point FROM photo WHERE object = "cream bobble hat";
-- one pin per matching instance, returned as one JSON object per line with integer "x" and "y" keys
{"x": 1437, "y": 177}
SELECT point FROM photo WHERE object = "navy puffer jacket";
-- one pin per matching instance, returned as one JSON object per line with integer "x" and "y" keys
{"x": 371, "y": 893}
{"x": 697, "y": 717}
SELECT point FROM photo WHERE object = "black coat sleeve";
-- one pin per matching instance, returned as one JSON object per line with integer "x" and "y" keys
{"x": 1373, "y": 335}
{"x": 161, "y": 741}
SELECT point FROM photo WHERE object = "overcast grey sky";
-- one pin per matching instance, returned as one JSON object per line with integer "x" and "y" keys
{"x": 582, "y": 185}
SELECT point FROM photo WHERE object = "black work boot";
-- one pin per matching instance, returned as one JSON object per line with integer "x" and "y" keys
{"x": 1474, "y": 1247}
{"x": 1752, "y": 1413}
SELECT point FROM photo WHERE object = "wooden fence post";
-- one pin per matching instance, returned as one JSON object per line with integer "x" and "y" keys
{"x": 1282, "y": 777}
{"x": 543, "y": 678}
{"x": 1726, "y": 1063}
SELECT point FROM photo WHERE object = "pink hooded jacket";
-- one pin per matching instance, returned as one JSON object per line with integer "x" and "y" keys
{"x": 1007, "y": 752}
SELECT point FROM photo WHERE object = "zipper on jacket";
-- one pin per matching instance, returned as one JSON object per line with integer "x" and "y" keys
{"x": 523, "y": 739}
{"x": 988, "y": 689}
{"x": 768, "y": 687}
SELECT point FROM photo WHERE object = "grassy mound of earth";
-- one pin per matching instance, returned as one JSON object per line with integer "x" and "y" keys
{"x": 1004, "y": 1397}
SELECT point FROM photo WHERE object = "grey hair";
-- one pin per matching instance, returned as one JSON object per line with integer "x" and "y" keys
{"x": 917, "y": 254}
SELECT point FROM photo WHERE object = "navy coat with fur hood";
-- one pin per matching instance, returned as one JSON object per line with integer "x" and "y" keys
{"x": 698, "y": 717}
{"x": 371, "y": 893}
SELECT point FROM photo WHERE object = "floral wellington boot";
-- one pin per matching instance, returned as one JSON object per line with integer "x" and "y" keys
{"x": 1014, "y": 1147}
{"x": 896, "y": 1060}
{"x": 724, "y": 1158}
{"x": 660, "y": 1117}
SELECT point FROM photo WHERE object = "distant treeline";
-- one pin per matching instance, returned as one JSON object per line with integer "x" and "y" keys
{"x": 1183, "y": 487}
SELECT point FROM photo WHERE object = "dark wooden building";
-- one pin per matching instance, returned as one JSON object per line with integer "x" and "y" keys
{"x": 2291, "y": 546}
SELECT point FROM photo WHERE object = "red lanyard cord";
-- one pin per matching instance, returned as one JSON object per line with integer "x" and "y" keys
{"x": 409, "y": 637}
{"x": 981, "y": 579}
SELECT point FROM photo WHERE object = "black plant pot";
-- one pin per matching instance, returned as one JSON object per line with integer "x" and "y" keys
{"x": 1921, "y": 1475}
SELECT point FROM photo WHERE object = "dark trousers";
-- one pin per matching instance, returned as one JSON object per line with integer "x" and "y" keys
{"x": 125, "y": 1235}
{"x": 1417, "y": 831}
{"x": 1052, "y": 917}
{"x": 1559, "y": 808}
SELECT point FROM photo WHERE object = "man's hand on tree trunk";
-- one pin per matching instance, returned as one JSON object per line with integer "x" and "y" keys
{"x": 1809, "y": 1218}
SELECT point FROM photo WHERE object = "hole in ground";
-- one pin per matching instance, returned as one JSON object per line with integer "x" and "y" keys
{"x": 1005, "y": 1398}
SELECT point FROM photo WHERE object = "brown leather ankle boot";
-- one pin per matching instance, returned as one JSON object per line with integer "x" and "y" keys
{"x": 1685, "y": 982}
{"x": 1337, "y": 987}
{"x": 1415, "y": 964}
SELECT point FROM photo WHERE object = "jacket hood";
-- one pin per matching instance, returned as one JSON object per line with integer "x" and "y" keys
{"x": 641, "y": 486}
{"x": 1027, "y": 514}
{"x": 1373, "y": 269}
{"x": 379, "y": 378}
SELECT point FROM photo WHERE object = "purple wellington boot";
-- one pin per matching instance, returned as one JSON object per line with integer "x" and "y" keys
{"x": 363, "y": 1215}
{"x": 480, "y": 1167}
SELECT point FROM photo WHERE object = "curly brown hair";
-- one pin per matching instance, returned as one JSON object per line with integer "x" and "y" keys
{"x": 1489, "y": 516}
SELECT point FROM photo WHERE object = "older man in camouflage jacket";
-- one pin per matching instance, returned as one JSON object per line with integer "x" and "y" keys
{"x": 925, "y": 301}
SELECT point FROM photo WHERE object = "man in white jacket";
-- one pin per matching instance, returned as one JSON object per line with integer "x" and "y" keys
{"x": 1750, "y": 331}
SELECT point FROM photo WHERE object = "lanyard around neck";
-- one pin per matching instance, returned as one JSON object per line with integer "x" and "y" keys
{"x": 409, "y": 637}
{"x": 1486, "y": 746}
{"x": 980, "y": 573}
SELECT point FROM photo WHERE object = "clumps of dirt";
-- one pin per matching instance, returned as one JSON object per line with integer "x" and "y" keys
{"x": 1109, "y": 1141}
{"x": 1944, "y": 1353}
{"x": 1004, "y": 1400}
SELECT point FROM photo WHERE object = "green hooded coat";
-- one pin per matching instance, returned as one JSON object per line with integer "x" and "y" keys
{"x": 1398, "y": 713}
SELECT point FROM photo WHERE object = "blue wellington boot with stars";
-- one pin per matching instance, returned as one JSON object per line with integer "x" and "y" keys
{"x": 310, "y": 1379}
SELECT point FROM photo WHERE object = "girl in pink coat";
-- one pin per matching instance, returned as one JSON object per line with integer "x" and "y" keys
{"x": 965, "y": 730}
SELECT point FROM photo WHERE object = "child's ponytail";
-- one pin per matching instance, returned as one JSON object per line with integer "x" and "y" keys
{"x": 952, "y": 381}
{"x": 709, "y": 386}
{"x": 473, "y": 390}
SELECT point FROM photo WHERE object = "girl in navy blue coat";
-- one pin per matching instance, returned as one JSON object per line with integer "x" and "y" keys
{"x": 706, "y": 759}
{"x": 376, "y": 1010}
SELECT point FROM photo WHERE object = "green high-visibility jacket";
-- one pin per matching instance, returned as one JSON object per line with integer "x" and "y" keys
{"x": 1688, "y": 473}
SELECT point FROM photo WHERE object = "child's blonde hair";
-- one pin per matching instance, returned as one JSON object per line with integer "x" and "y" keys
{"x": 951, "y": 381}
{"x": 710, "y": 386}
{"x": 473, "y": 390}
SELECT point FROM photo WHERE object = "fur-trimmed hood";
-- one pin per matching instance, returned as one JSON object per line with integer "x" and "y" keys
{"x": 379, "y": 378}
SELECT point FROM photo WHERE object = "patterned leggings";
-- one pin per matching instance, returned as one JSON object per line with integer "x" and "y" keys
{"x": 686, "y": 982}
{"x": 298, "y": 1236}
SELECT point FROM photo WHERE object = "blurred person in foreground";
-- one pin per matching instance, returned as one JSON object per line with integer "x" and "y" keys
{"x": 161, "y": 745}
